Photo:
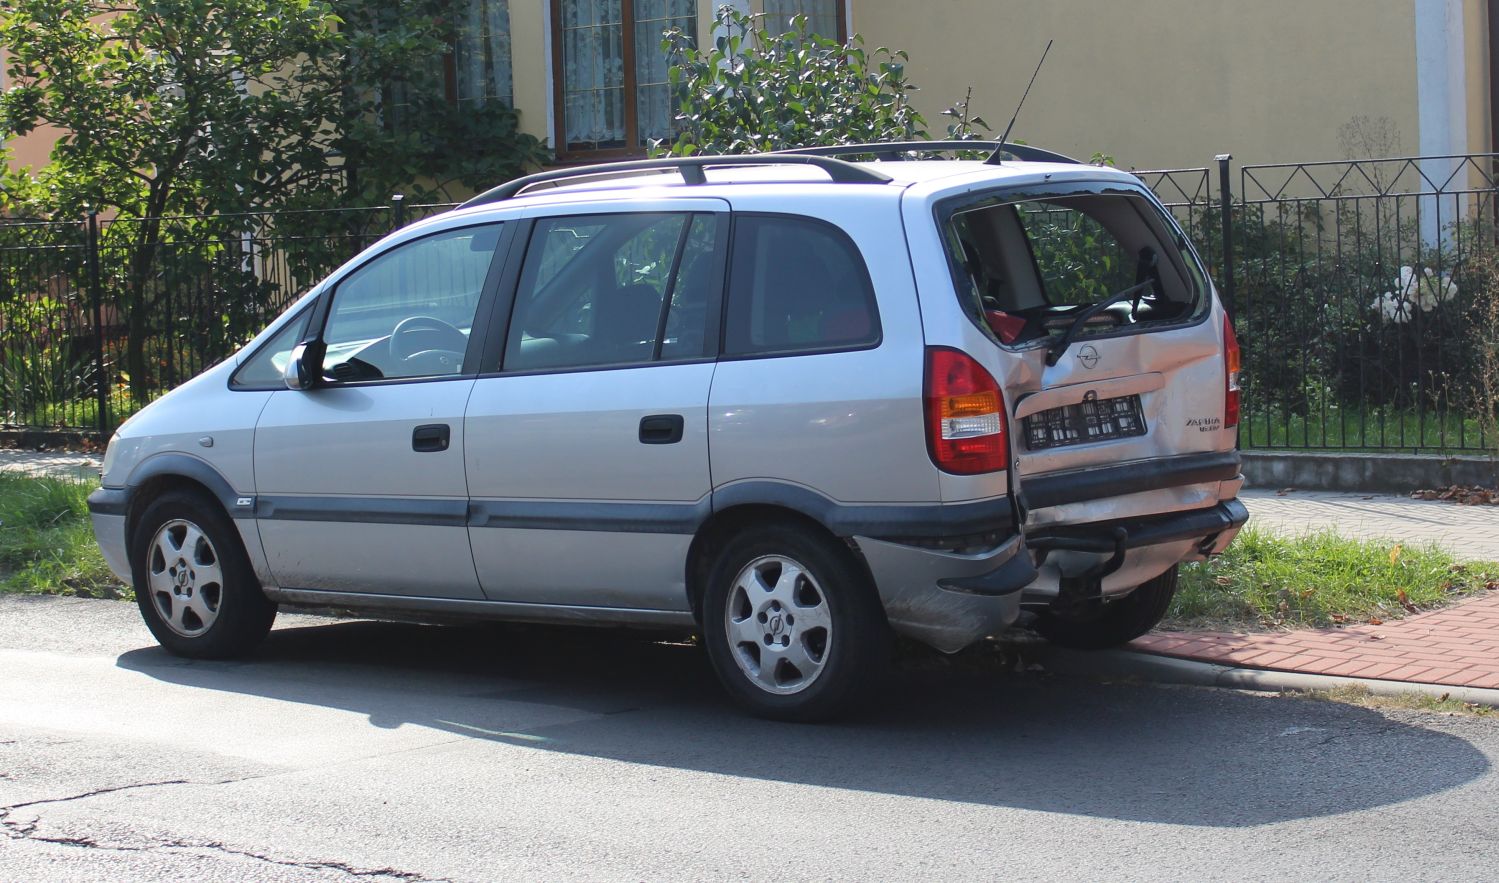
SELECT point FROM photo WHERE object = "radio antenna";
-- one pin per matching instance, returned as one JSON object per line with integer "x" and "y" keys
{"x": 1003, "y": 139}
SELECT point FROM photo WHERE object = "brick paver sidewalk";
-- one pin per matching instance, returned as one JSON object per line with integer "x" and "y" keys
{"x": 1457, "y": 646}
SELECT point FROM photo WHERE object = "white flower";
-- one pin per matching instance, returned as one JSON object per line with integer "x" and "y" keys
{"x": 1393, "y": 307}
{"x": 1424, "y": 290}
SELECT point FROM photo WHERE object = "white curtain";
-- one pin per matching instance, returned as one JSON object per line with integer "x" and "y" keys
{"x": 481, "y": 51}
{"x": 594, "y": 78}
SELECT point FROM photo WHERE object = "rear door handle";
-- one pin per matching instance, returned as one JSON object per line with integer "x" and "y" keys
{"x": 661, "y": 429}
{"x": 431, "y": 437}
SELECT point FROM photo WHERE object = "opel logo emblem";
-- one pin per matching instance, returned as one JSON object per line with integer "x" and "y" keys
{"x": 775, "y": 624}
{"x": 1088, "y": 356}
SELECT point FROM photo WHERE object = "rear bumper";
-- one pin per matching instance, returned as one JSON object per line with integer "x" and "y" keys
{"x": 951, "y": 599}
{"x": 1207, "y": 525}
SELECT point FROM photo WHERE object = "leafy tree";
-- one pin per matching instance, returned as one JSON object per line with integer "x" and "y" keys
{"x": 756, "y": 91}
{"x": 208, "y": 107}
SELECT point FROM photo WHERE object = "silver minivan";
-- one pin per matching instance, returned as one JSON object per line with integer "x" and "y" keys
{"x": 797, "y": 402}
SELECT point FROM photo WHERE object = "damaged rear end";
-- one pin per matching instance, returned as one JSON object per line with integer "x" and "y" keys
{"x": 1116, "y": 372}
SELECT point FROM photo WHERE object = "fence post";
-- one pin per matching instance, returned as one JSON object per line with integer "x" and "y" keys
{"x": 1226, "y": 208}
{"x": 398, "y": 210}
{"x": 96, "y": 295}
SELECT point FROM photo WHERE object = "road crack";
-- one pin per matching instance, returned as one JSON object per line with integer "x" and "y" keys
{"x": 28, "y": 831}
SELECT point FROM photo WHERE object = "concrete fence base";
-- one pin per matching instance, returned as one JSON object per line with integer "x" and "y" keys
{"x": 1368, "y": 473}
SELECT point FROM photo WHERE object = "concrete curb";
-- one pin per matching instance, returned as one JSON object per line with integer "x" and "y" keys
{"x": 1171, "y": 670}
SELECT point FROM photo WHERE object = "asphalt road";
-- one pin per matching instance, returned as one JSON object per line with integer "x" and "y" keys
{"x": 403, "y": 752}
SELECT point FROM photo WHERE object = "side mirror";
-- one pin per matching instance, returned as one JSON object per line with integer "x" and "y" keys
{"x": 300, "y": 369}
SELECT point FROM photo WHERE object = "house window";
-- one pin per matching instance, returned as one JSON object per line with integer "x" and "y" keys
{"x": 824, "y": 17}
{"x": 481, "y": 52}
{"x": 611, "y": 86}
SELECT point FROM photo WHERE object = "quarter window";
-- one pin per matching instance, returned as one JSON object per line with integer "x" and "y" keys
{"x": 266, "y": 368}
{"x": 797, "y": 285}
{"x": 408, "y": 313}
{"x": 611, "y": 72}
{"x": 613, "y": 289}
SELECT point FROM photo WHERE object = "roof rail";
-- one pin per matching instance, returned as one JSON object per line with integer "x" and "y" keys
{"x": 690, "y": 167}
{"x": 896, "y": 150}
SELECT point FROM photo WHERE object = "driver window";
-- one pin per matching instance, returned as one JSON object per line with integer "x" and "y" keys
{"x": 409, "y": 312}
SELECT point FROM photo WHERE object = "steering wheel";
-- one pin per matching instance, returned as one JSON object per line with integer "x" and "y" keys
{"x": 422, "y": 334}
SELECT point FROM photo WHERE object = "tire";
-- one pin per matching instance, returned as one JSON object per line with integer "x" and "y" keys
{"x": 193, "y": 582}
{"x": 1118, "y": 622}
{"x": 752, "y": 603}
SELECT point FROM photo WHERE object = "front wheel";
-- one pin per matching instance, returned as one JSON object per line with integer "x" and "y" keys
{"x": 1117, "y": 622}
{"x": 792, "y": 626}
{"x": 193, "y": 582}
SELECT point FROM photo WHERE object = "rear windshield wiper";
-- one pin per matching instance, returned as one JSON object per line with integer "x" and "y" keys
{"x": 1055, "y": 351}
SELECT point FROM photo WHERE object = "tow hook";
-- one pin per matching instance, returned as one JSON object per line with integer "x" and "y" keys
{"x": 1086, "y": 588}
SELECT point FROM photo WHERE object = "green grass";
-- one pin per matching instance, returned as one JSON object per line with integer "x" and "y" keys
{"x": 1359, "y": 429}
{"x": 1272, "y": 581}
{"x": 46, "y": 542}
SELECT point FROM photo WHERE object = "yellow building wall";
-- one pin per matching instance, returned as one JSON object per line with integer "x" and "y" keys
{"x": 1166, "y": 83}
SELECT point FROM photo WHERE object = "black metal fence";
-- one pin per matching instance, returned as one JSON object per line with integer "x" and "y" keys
{"x": 95, "y": 322}
{"x": 1358, "y": 290}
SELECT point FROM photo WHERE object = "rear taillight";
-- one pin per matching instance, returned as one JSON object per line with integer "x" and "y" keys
{"x": 1230, "y": 376}
{"x": 965, "y": 415}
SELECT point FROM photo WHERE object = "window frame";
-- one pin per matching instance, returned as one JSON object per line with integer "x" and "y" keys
{"x": 629, "y": 87}
{"x": 878, "y": 335}
{"x": 478, "y": 332}
{"x": 490, "y": 362}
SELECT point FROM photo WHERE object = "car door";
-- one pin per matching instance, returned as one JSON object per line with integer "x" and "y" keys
{"x": 587, "y": 444}
{"x": 360, "y": 478}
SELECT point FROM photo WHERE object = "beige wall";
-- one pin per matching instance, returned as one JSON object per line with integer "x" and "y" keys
{"x": 1161, "y": 83}
{"x": 1156, "y": 83}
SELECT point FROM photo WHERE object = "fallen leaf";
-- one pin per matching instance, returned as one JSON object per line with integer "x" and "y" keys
{"x": 1283, "y": 491}
{"x": 1404, "y": 600}
{"x": 1374, "y": 620}
{"x": 1395, "y": 553}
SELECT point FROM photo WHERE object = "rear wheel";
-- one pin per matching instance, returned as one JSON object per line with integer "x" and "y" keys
{"x": 791, "y": 625}
{"x": 1115, "y": 623}
{"x": 193, "y": 581}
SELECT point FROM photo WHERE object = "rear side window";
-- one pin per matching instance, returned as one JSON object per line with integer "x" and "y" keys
{"x": 797, "y": 285}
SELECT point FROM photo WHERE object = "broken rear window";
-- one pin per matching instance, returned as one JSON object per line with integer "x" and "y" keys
{"x": 1028, "y": 266}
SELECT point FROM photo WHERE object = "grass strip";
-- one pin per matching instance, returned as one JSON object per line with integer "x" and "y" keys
{"x": 46, "y": 541}
{"x": 1268, "y": 580}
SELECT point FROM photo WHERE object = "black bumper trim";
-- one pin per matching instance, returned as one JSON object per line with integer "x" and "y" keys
{"x": 904, "y": 520}
{"x": 1015, "y": 572}
{"x": 1097, "y": 482}
{"x": 109, "y": 501}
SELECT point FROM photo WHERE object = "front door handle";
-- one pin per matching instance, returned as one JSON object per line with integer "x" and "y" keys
{"x": 431, "y": 437}
{"x": 661, "y": 429}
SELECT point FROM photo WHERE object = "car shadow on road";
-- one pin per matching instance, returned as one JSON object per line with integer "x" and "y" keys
{"x": 1184, "y": 756}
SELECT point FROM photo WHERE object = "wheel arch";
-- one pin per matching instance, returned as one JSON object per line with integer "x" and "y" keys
{"x": 170, "y": 471}
{"x": 724, "y": 523}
